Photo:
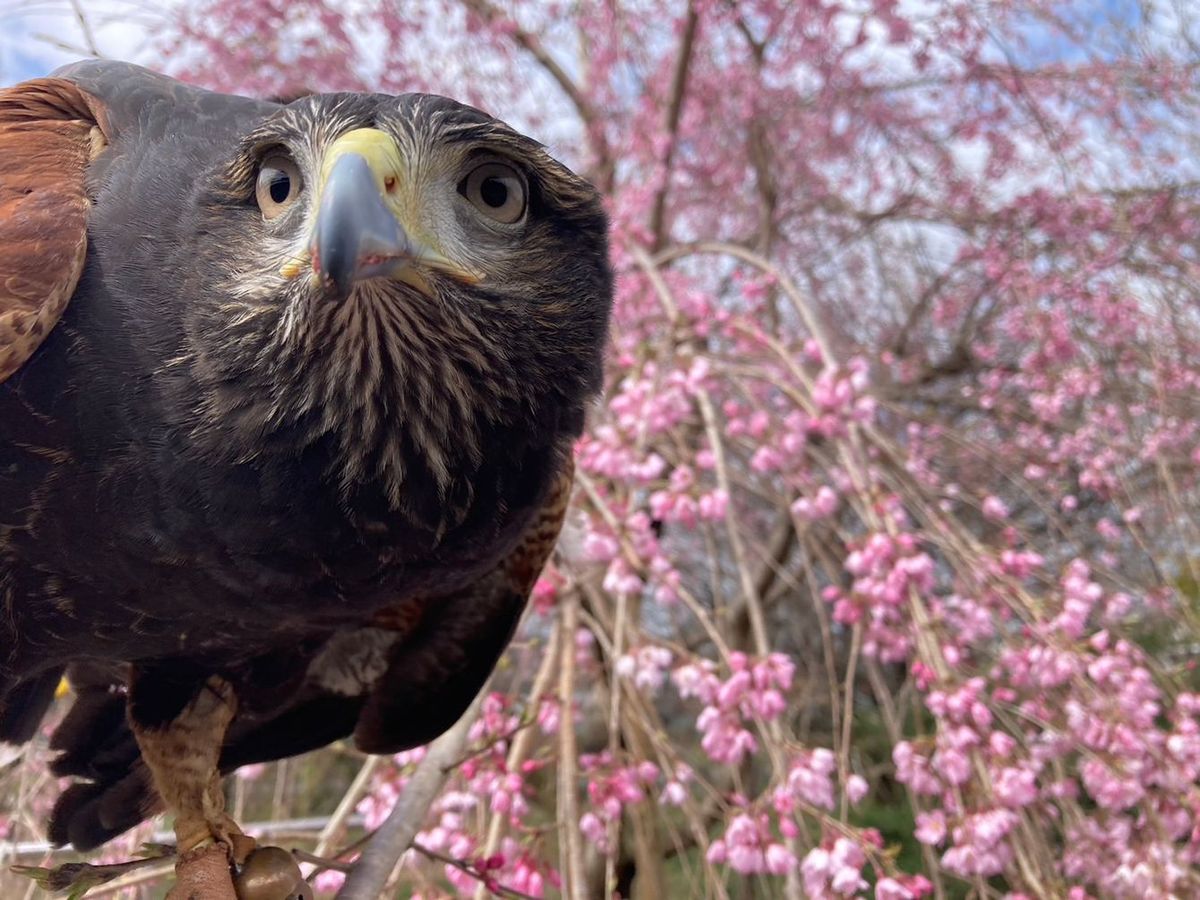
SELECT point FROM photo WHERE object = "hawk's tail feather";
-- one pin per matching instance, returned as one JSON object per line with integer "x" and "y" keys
{"x": 23, "y": 705}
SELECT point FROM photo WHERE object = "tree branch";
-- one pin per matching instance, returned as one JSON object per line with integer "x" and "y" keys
{"x": 574, "y": 883}
{"x": 369, "y": 877}
{"x": 683, "y": 60}
{"x": 336, "y": 826}
{"x": 533, "y": 45}
{"x": 522, "y": 745}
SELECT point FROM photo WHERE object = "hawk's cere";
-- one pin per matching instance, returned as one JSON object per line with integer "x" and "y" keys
{"x": 287, "y": 397}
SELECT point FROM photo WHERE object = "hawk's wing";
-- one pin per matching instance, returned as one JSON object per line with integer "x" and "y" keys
{"x": 49, "y": 132}
{"x": 429, "y": 683}
{"x": 436, "y": 663}
{"x": 62, "y": 139}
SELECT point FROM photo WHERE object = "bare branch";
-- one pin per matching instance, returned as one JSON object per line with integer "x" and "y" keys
{"x": 497, "y": 890}
{"x": 574, "y": 882}
{"x": 369, "y": 878}
{"x": 533, "y": 45}
{"x": 522, "y": 745}
{"x": 683, "y": 60}
{"x": 336, "y": 825}
{"x": 89, "y": 37}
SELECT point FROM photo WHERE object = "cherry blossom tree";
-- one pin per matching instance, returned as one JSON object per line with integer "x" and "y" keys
{"x": 880, "y": 577}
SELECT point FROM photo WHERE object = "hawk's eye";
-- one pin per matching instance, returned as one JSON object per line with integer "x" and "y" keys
{"x": 279, "y": 184}
{"x": 497, "y": 190}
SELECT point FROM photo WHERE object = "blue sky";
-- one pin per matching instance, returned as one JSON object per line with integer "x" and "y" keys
{"x": 17, "y": 64}
{"x": 35, "y": 42}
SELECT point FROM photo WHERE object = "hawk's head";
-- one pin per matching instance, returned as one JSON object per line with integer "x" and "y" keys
{"x": 399, "y": 278}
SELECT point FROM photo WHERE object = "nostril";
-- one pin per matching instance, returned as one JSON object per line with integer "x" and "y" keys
{"x": 389, "y": 183}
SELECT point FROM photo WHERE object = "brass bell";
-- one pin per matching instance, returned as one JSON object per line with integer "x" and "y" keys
{"x": 271, "y": 873}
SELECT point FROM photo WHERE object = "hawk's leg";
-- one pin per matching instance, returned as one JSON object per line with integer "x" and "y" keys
{"x": 180, "y": 728}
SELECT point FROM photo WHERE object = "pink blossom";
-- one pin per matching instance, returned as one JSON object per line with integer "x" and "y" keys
{"x": 600, "y": 547}
{"x": 856, "y": 788}
{"x": 995, "y": 509}
{"x": 674, "y": 794}
{"x": 1015, "y": 787}
{"x": 329, "y": 882}
{"x": 931, "y": 827}
{"x": 646, "y": 666}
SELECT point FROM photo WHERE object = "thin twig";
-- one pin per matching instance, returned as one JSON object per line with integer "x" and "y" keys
{"x": 523, "y": 742}
{"x": 574, "y": 887}
{"x": 679, "y": 83}
{"x": 89, "y": 37}
{"x": 133, "y": 879}
{"x": 532, "y": 44}
{"x": 336, "y": 825}
{"x": 495, "y": 888}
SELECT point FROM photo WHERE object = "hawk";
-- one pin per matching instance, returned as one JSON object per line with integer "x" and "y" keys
{"x": 287, "y": 400}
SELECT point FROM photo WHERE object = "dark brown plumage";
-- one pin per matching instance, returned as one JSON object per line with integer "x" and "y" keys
{"x": 287, "y": 395}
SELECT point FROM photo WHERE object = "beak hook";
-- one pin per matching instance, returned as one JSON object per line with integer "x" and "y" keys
{"x": 356, "y": 234}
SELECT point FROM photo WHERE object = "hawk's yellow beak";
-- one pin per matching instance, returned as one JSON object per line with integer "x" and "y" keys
{"x": 369, "y": 221}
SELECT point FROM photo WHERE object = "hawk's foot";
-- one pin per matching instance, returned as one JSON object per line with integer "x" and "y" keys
{"x": 184, "y": 756}
{"x": 195, "y": 831}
